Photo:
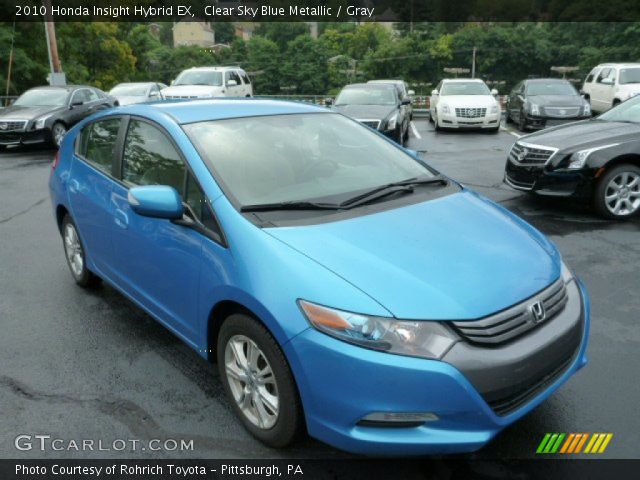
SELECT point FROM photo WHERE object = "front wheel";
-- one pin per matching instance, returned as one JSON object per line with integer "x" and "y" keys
{"x": 617, "y": 194}
{"x": 75, "y": 255}
{"x": 58, "y": 131}
{"x": 258, "y": 382}
{"x": 522, "y": 122}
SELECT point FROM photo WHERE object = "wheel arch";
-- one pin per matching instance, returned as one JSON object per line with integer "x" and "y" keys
{"x": 61, "y": 211}
{"x": 631, "y": 158}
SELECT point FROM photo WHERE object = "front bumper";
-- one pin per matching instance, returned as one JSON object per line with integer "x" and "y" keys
{"x": 558, "y": 183}
{"x": 32, "y": 137}
{"x": 540, "y": 122}
{"x": 340, "y": 383}
{"x": 452, "y": 121}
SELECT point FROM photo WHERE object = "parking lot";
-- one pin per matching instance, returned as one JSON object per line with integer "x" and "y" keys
{"x": 75, "y": 365}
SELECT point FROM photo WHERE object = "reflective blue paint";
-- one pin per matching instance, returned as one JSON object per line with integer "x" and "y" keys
{"x": 459, "y": 256}
{"x": 158, "y": 201}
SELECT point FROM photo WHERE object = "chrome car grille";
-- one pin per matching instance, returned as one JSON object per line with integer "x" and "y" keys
{"x": 528, "y": 154}
{"x": 370, "y": 123}
{"x": 12, "y": 125}
{"x": 471, "y": 112}
{"x": 561, "y": 112}
{"x": 517, "y": 320}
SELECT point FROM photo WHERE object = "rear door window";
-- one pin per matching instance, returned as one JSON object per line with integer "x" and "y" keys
{"x": 99, "y": 142}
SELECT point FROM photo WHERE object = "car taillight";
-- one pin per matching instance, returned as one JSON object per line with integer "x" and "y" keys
{"x": 56, "y": 160}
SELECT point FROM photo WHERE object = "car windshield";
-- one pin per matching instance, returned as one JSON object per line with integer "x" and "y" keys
{"x": 299, "y": 157}
{"x": 367, "y": 96}
{"x": 199, "y": 77}
{"x": 130, "y": 89}
{"x": 44, "y": 97}
{"x": 464, "y": 88}
{"x": 629, "y": 75}
{"x": 553, "y": 88}
{"x": 628, "y": 111}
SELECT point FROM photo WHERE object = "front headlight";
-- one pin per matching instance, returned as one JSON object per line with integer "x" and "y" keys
{"x": 494, "y": 109}
{"x": 40, "y": 122}
{"x": 391, "y": 124}
{"x": 566, "y": 273}
{"x": 579, "y": 158}
{"x": 534, "y": 109}
{"x": 445, "y": 109}
{"x": 423, "y": 339}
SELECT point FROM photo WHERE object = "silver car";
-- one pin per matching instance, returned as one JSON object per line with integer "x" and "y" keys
{"x": 138, "y": 92}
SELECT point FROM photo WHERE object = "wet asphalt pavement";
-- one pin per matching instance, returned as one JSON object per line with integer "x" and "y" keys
{"x": 90, "y": 365}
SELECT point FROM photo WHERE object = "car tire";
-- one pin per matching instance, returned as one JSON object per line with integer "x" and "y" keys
{"x": 277, "y": 424}
{"x": 495, "y": 130}
{"x": 507, "y": 117}
{"x": 609, "y": 196}
{"x": 58, "y": 131}
{"x": 431, "y": 117}
{"x": 75, "y": 254}
{"x": 436, "y": 124}
{"x": 406, "y": 134}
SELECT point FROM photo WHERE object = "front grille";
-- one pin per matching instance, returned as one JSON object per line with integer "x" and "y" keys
{"x": 510, "y": 403}
{"x": 371, "y": 123}
{"x": 470, "y": 112}
{"x": 515, "y": 321}
{"x": 528, "y": 154}
{"x": 180, "y": 97}
{"x": 12, "y": 125}
{"x": 561, "y": 112}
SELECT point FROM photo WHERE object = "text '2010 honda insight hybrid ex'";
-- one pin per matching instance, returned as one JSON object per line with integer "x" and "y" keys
{"x": 343, "y": 286}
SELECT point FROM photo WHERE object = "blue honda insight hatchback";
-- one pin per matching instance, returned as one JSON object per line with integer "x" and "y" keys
{"x": 342, "y": 285}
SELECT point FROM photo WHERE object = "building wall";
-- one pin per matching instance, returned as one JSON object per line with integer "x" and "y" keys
{"x": 193, "y": 33}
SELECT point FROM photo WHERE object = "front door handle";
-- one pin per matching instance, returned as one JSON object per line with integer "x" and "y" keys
{"x": 121, "y": 219}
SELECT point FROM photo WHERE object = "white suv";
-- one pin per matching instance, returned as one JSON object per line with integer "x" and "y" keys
{"x": 611, "y": 83}
{"x": 209, "y": 82}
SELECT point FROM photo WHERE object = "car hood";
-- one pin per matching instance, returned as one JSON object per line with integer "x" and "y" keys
{"x": 130, "y": 99}
{"x": 191, "y": 90}
{"x": 17, "y": 112}
{"x": 455, "y": 257}
{"x": 584, "y": 134}
{"x": 373, "y": 112}
{"x": 557, "y": 100}
{"x": 471, "y": 101}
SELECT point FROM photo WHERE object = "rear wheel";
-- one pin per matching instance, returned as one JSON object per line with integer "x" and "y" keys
{"x": 258, "y": 381}
{"x": 507, "y": 116}
{"x": 75, "y": 255}
{"x": 617, "y": 194}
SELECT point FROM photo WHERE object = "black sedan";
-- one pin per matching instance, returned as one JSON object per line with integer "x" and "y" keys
{"x": 545, "y": 102}
{"x": 596, "y": 159}
{"x": 44, "y": 114}
{"x": 377, "y": 105}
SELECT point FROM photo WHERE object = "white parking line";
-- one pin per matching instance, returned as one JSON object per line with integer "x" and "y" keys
{"x": 517, "y": 135}
{"x": 414, "y": 130}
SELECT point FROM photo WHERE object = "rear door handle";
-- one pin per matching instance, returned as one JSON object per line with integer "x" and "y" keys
{"x": 121, "y": 219}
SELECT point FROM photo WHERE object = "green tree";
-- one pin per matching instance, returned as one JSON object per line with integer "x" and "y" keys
{"x": 263, "y": 64}
{"x": 305, "y": 66}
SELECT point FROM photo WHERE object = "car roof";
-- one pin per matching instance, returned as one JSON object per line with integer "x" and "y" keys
{"x": 386, "y": 81}
{"x": 192, "y": 111}
{"x": 371, "y": 85}
{"x": 68, "y": 88}
{"x": 136, "y": 83}
{"x": 462, "y": 80}
{"x": 631, "y": 64}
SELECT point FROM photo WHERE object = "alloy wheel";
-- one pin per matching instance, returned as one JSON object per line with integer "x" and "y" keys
{"x": 58, "y": 131}
{"x": 73, "y": 250}
{"x": 622, "y": 194}
{"x": 252, "y": 381}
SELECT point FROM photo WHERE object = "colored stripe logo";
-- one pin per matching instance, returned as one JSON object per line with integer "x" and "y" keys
{"x": 574, "y": 443}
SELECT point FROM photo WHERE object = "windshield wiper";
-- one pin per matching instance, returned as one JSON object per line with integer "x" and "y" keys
{"x": 289, "y": 206}
{"x": 389, "y": 188}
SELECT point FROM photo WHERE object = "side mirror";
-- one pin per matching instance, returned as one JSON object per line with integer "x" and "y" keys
{"x": 434, "y": 92}
{"x": 231, "y": 83}
{"x": 328, "y": 102}
{"x": 411, "y": 93}
{"x": 413, "y": 153}
{"x": 581, "y": 91}
{"x": 406, "y": 101}
{"x": 494, "y": 92}
{"x": 156, "y": 201}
